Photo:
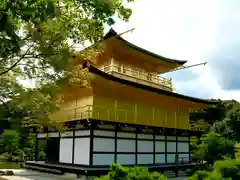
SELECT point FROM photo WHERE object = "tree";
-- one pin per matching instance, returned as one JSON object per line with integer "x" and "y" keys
{"x": 214, "y": 147}
{"x": 223, "y": 118}
{"x": 38, "y": 40}
{"x": 211, "y": 114}
{"x": 10, "y": 142}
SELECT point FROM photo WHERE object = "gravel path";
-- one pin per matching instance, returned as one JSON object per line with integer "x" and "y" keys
{"x": 33, "y": 175}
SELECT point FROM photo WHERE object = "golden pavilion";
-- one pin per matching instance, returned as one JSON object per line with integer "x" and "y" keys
{"x": 128, "y": 114}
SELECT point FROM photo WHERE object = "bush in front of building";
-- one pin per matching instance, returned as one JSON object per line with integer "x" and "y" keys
{"x": 137, "y": 173}
{"x": 222, "y": 170}
{"x": 214, "y": 147}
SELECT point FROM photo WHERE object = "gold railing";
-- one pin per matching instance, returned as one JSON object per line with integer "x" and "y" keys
{"x": 138, "y": 76}
{"x": 105, "y": 114}
{"x": 91, "y": 111}
{"x": 84, "y": 112}
{"x": 198, "y": 125}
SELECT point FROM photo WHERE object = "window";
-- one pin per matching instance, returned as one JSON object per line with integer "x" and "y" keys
{"x": 149, "y": 76}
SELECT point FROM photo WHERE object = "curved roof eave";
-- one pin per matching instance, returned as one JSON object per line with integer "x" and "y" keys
{"x": 149, "y": 88}
{"x": 111, "y": 33}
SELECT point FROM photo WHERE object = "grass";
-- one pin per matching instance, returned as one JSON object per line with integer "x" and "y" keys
{"x": 9, "y": 165}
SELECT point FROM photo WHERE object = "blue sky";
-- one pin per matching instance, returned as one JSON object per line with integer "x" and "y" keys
{"x": 196, "y": 31}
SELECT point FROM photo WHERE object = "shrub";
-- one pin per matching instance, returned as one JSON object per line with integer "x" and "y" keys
{"x": 222, "y": 170}
{"x": 119, "y": 172}
{"x": 214, "y": 147}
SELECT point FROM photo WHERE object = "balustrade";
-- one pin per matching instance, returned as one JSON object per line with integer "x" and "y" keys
{"x": 136, "y": 75}
{"x": 198, "y": 125}
{"x": 105, "y": 114}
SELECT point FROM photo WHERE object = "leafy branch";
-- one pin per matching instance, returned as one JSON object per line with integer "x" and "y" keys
{"x": 16, "y": 63}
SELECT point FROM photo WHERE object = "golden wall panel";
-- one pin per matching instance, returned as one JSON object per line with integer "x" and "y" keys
{"x": 170, "y": 118}
{"x": 137, "y": 112}
{"x": 144, "y": 114}
{"x": 159, "y": 116}
{"x": 183, "y": 120}
{"x": 103, "y": 108}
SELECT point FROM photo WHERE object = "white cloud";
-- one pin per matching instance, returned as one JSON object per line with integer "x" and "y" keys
{"x": 188, "y": 30}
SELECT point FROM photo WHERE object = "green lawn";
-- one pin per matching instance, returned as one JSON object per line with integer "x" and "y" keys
{"x": 9, "y": 165}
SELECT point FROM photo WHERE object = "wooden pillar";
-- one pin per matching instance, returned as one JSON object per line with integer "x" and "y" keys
{"x": 166, "y": 152}
{"x": 73, "y": 145}
{"x": 136, "y": 146}
{"x": 154, "y": 145}
{"x": 91, "y": 126}
{"x": 115, "y": 146}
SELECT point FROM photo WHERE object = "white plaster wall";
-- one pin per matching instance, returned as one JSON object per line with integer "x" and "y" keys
{"x": 171, "y": 137}
{"x": 171, "y": 146}
{"x": 171, "y": 158}
{"x": 104, "y": 133}
{"x": 126, "y": 159}
{"x": 42, "y": 135}
{"x": 183, "y": 138}
{"x": 103, "y": 159}
{"x": 160, "y": 158}
{"x": 65, "y": 150}
{"x": 125, "y": 145}
{"x": 82, "y": 133}
{"x": 145, "y": 136}
{"x": 184, "y": 156}
{"x": 160, "y": 137}
{"x": 159, "y": 146}
{"x": 53, "y": 134}
{"x": 145, "y": 146}
{"x": 81, "y": 151}
{"x": 145, "y": 158}
{"x": 183, "y": 146}
{"x": 103, "y": 144}
{"x": 67, "y": 134}
{"x": 125, "y": 134}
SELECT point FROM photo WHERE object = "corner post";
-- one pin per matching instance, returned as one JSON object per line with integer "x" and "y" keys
{"x": 91, "y": 143}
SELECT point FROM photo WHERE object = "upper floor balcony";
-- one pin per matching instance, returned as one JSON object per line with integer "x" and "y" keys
{"x": 119, "y": 115}
{"x": 137, "y": 75}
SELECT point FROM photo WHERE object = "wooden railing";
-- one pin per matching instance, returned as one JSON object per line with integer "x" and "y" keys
{"x": 131, "y": 74}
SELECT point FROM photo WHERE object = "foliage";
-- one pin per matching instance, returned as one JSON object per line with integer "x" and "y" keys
{"x": 211, "y": 114}
{"x": 38, "y": 40}
{"x": 224, "y": 169}
{"x": 28, "y": 144}
{"x": 223, "y": 118}
{"x": 137, "y": 173}
{"x": 214, "y": 147}
{"x": 230, "y": 125}
{"x": 10, "y": 142}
